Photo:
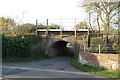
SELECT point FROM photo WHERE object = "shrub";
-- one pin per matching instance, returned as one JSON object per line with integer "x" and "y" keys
{"x": 116, "y": 45}
{"x": 54, "y": 26}
{"x": 95, "y": 41}
{"x": 81, "y": 25}
{"x": 111, "y": 46}
{"x": 41, "y": 26}
{"x": 18, "y": 46}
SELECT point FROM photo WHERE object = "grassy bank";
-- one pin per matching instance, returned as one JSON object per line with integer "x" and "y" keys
{"x": 93, "y": 70}
{"x": 27, "y": 59}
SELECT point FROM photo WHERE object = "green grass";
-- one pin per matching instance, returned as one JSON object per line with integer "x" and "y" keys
{"x": 27, "y": 59}
{"x": 93, "y": 70}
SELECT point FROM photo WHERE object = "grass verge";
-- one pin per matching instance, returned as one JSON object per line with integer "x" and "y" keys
{"x": 93, "y": 70}
{"x": 27, "y": 59}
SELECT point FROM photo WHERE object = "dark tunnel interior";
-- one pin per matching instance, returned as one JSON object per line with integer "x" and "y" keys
{"x": 61, "y": 49}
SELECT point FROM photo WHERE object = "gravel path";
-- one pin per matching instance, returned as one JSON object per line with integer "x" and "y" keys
{"x": 58, "y": 67}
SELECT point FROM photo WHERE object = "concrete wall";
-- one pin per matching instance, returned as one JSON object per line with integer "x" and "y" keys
{"x": 106, "y": 61}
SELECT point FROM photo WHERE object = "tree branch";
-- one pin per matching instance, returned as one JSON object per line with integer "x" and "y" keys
{"x": 114, "y": 15}
{"x": 104, "y": 7}
{"x": 101, "y": 8}
{"x": 102, "y": 19}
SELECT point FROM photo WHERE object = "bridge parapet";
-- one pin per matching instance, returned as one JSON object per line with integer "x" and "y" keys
{"x": 62, "y": 32}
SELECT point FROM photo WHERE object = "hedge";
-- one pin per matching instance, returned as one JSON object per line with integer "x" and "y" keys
{"x": 16, "y": 46}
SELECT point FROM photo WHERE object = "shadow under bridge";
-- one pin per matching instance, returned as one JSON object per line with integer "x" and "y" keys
{"x": 61, "y": 48}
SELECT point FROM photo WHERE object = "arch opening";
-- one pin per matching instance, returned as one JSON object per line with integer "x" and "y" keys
{"x": 61, "y": 48}
{"x": 70, "y": 49}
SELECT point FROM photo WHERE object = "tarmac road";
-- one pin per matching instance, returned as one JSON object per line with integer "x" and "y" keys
{"x": 58, "y": 67}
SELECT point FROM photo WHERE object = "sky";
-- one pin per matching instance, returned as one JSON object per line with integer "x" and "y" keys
{"x": 27, "y": 11}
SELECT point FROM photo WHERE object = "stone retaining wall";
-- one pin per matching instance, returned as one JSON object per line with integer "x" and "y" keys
{"x": 107, "y": 61}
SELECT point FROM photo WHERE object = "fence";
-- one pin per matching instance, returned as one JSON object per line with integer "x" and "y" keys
{"x": 63, "y": 22}
{"x": 100, "y": 43}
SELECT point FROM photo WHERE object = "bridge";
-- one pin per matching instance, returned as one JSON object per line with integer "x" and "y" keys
{"x": 54, "y": 41}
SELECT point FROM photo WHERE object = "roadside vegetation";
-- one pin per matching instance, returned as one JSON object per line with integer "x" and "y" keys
{"x": 111, "y": 45}
{"x": 17, "y": 48}
{"x": 93, "y": 70}
{"x": 27, "y": 59}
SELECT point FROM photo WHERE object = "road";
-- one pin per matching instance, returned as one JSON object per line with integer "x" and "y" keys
{"x": 58, "y": 67}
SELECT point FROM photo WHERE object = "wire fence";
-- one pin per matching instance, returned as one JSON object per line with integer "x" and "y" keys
{"x": 63, "y": 22}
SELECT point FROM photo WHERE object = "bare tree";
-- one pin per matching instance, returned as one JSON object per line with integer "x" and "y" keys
{"x": 7, "y": 25}
{"x": 105, "y": 11}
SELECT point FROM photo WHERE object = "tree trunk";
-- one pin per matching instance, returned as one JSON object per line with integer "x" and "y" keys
{"x": 98, "y": 23}
{"x": 108, "y": 23}
{"x": 90, "y": 22}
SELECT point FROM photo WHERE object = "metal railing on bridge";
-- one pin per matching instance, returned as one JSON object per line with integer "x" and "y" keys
{"x": 63, "y": 24}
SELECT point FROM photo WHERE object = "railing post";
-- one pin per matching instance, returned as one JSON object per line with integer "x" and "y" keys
{"x": 75, "y": 33}
{"x": 75, "y": 29}
{"x": 61, "y": 33}
{"x": 36, "y": 26}
{"x": 61, "y": 29}
{"x": 47, "y": 28}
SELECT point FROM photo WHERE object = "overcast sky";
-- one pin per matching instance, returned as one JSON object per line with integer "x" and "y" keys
{"x": 29, "y": 10}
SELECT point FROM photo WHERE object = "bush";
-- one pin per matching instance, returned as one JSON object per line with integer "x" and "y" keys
{"x": 18, "y": 46}
{"x": 41, "y": 26}
{"x": 81, "y": 25}
{"x": 54, "y": 26}
{"x": 95, "y": 41}
{"x": 116, "y": 45}
{"x": 111, "y": 46}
